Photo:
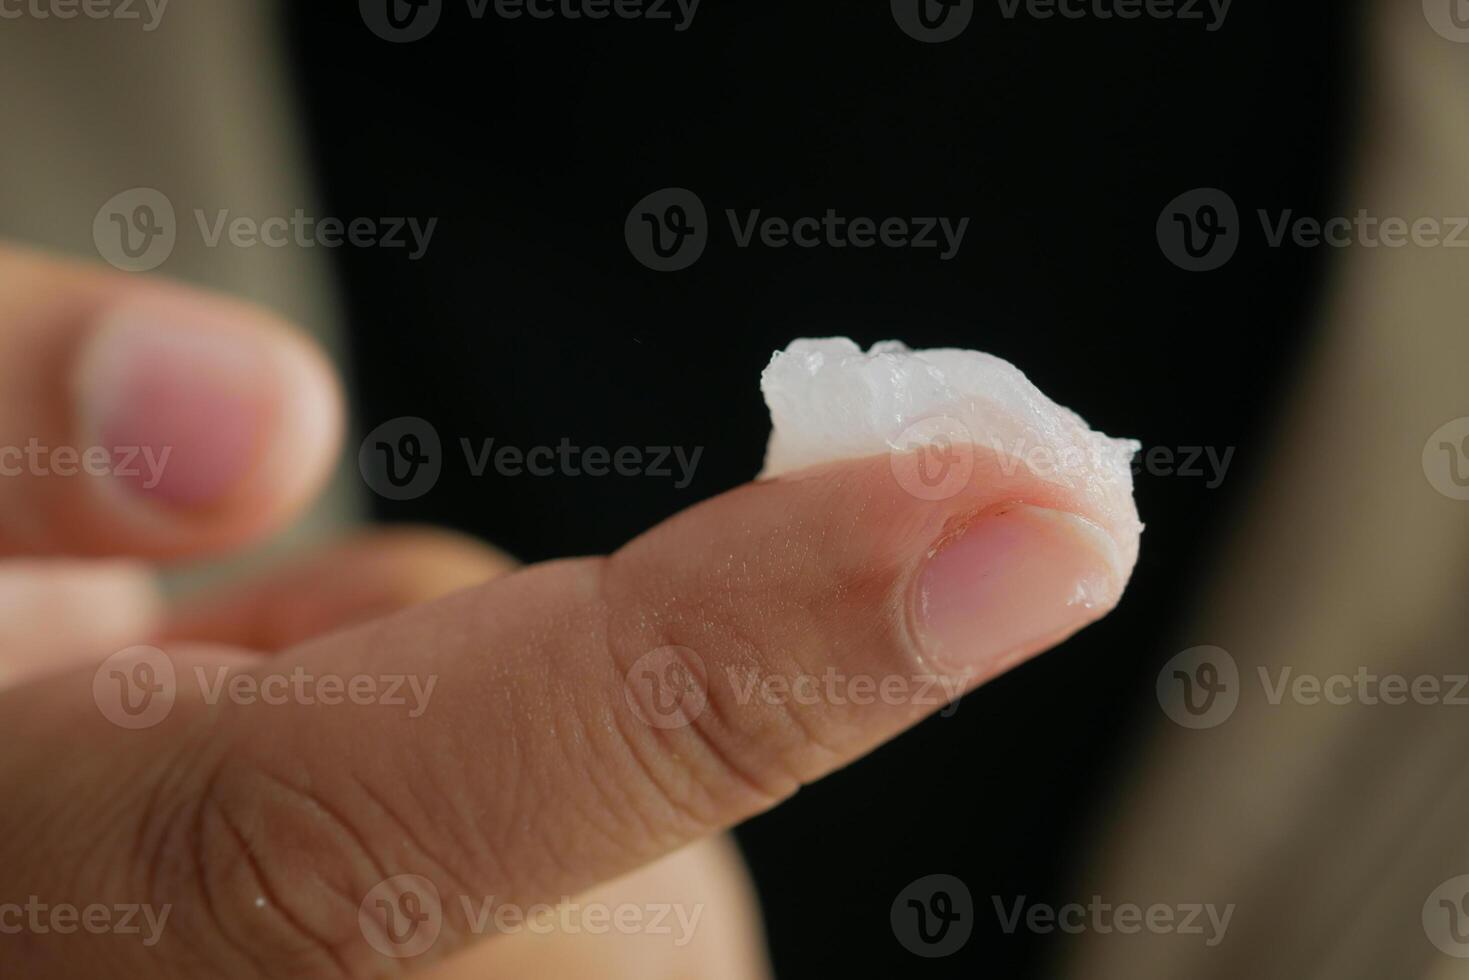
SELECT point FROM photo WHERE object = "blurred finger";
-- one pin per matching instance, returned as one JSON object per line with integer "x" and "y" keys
{"x": 692, "y": 914}
{"x": 349, "y": 582}
{"x": 55, "y": 614}
{"x": 142, "y": 418}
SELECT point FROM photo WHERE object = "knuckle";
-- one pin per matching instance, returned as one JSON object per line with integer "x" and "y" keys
{"x": 701, "y": 725}
{"x": 265, "y": 879}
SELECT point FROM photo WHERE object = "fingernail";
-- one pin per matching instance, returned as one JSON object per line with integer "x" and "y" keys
{"x": 1015, "y": 580}
{"x": 182, "y": 409}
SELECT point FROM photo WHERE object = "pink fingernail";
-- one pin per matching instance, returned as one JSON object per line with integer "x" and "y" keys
{"x": 182, "y": 409}
{"x": 1017, "y": 579}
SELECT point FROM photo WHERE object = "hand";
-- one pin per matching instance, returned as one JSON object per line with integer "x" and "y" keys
{"x": 581, "y": 728}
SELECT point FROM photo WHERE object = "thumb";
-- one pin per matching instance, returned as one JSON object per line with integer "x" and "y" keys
{"x": 568, "y": 723}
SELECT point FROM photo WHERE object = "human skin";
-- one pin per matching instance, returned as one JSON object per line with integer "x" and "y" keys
{"x": 540, "y": 768}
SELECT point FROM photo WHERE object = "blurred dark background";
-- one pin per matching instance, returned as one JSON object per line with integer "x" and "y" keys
{"x": 528, "y": 320}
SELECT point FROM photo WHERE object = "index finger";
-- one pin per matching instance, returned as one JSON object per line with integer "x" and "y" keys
{"x": 568, "y": 723}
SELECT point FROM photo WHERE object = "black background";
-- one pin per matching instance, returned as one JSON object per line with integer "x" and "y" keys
{"x": 528, "y": 320}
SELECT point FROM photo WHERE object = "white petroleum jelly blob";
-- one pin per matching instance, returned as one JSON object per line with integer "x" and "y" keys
{"x": 829, "y": 400}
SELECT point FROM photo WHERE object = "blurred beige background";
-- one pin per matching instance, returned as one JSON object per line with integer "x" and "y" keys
{"x": 1329, "y": 826}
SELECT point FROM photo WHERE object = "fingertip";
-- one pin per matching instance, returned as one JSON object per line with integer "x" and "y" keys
{"x": 210, "y": 422}
{"x": 1011, "y": 582}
